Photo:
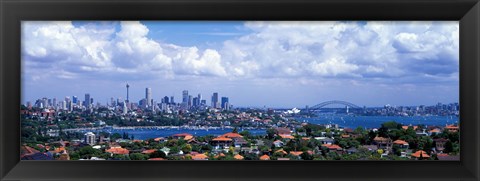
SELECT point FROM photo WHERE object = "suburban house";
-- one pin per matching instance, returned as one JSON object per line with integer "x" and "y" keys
{"x": 184, "y": 136}
{"x": 401, "y": 143}
{"x": 452, "y": 128}
{"x": 278, "y": 143}
{"x": 117, "y": 151}
{"x": 440, "y": 144}
{"x": 325, "y": 140}
{"x": 383, "y": 143}
{"x": 420, "y": 155}
{"x": 265, "y": 157}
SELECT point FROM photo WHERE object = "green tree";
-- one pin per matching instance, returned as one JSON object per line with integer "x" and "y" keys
{"x": 391, "y": 125}
{"x": 306, "y": 156}
{"x": 115, "y": 136}
{"x": 158, "y": 154}
{"x": 448, "y": 147}
{"x": 87, "y": 152}
{"x": 187, "y": 148}
{"x": 138, "y": 156}
{"x": 245, "y": 133}
{"x": 270, "y": 133}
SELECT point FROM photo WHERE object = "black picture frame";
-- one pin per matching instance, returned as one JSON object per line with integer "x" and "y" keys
{"x": 14, "y": 11}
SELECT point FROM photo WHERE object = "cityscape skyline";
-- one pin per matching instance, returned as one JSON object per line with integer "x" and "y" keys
{"x": 272, "y": 64}
{"x": 215, "y": 102}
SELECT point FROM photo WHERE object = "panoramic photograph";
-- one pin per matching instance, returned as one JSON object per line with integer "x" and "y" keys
{"x": 240, "y": 90}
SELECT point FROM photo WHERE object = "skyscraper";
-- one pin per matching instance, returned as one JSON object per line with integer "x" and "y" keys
{"x": 184, "y": 99}
{"x": 74, "y": 99}
{"x": 148, "y": 96}
{"x": 165, "y": 100}
{"x": 195, "y": 102}
{"x": 215, "y": 100}
{"x": 199, "y": 99}
{"x": 225, "y": 103}
{"x": 87, "y": 100}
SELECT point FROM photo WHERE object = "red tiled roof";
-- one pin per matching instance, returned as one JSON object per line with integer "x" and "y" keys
{"x": 231, "y": 135}
{"x": 451, "y": 127}
{"x": 381, "y": 139}
{"x": 283, "y": 130}
{"x": 59, "y": 149}
{"x": 199, "y": 157}
{"x": 188, "y": 137}
{"x": 400, "y": 142}
{"x": 296, "y": 153}
{"x": 420, "y": 153}
{"x": 238, "y": 157}
{"x": 149, "y": 151}
{"x": 286, "y": 136}
{"x": 116, "y": 150}
{"x": 406, "y": 127}
{"x": 26, "y": 150}
{"x": 221, "y": 139}
{"x": 281, "y": 151}
{"x": 332, "y": 146}
{"x": 345, "y": 136}
{"x": 265, "y": 157}
{"x": 182, "y": 135}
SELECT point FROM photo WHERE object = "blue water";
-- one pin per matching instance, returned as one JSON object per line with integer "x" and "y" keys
{"x": 144, "y": 134}
{"x": 346, "y": 121}
{"x": 350, "y": 121}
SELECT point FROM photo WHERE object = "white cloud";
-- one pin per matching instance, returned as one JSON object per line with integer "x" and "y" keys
{"x": 373, "y": 50}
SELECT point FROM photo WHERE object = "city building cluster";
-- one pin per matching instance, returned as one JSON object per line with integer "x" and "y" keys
{"x": 166, "y": 104}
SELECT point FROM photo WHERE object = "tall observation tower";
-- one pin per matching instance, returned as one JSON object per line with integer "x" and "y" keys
{"x": 127, "y": 92}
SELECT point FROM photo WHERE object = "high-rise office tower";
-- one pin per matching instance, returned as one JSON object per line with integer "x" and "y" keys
{"x": 190, "y": 101}
{"x": 54, "y": 103}
{"x": 172, "y": 101}
{"x": 45, "y": 102}
{"x": 165, "y": 100}
{"x": 68, "y": 103}
{"x": 64, "y": 105}
{"x": 195, "y": 102}
{"x": 87, "y": 100}
{"x": 199, "y": 99}
{"x": 215, "y": 100}
{"x": 148, "y": 96}
{"x": 74, "y": 99}
{"x": 185, "y": 99}
{"x": 225, "y": 103}
{"x": 128, "y": 86}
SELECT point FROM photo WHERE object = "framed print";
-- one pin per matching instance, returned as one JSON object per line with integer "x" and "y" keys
{"x": 239, "y": 90}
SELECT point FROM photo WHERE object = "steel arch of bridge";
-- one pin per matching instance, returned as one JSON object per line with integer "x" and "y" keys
{"x": 326, "y": 103}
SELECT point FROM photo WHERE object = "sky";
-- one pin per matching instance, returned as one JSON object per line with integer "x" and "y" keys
{"x": 257, "y": 63}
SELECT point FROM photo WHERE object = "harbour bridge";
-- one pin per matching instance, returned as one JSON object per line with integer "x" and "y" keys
{"x": 326, "y": 103}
